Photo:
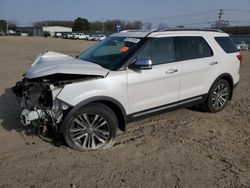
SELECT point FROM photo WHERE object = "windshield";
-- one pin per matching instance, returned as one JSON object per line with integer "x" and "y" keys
{"x": 111, "y": 52}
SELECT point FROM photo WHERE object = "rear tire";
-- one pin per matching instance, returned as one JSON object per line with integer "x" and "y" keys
{"x": 91, "y": 127}
{"x": 218, "y": 97}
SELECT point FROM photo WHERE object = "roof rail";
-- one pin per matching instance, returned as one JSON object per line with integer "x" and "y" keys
{"x": 192, "y": 29}
{"x": 138, "y": 30}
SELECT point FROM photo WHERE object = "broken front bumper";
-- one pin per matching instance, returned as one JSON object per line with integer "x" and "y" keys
{"x": 55, "y": 114}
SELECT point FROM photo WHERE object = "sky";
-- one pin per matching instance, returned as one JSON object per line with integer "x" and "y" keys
{"x": 190, "y": 12}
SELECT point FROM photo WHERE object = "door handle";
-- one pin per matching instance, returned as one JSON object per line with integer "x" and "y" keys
{"x": 213, "y": 63}
{"x": 170, "y": 71}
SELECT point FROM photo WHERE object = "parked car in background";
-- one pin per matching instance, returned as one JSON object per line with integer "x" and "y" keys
{"x": 58, "y": 35}
{"x": 64, "y": 35}
{"x": 101, "y": 37}
{"x": 90, "y": 37}
{"x": 98, "y": 37}
{"x": 242, "y": 46}
{"x": 79, "y": 36}
{"x": 86, "y": 37}
{"x": 69, "y": 35}
{"x": 74, "y": 35}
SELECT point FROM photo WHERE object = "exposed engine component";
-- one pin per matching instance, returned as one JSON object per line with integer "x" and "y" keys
{"x": 33, "y": 94}
{"x": 39, "y": 104}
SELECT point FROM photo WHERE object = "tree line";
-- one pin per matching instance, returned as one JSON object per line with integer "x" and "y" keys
{"x": 109, "y": 26}
{"x": 83, "y": 25}
{"x": 237, "y": 30}
{"x": 4, "y": 25}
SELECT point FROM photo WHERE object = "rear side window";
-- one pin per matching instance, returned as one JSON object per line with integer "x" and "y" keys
{"x": 192, "y": 48}
{"x": 226, "y": 44}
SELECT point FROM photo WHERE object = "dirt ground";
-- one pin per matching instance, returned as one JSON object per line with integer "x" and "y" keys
{"x": 184, "y": 148}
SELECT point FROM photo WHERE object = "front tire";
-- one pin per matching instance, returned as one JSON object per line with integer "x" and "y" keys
{"x": 218, "y": 96}
{"x": 91, "y": 127}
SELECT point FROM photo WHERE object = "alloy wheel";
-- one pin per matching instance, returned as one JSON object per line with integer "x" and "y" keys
{"x": 89, "y": 131}
{"x": 220, "y": 96}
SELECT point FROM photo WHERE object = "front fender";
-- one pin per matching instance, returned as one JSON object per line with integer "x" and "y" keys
{"x": 114, "y": 86}
{"x": 115, "y": 105}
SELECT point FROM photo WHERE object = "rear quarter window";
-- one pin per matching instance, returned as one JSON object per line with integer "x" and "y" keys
{"x": 226, "y": 44}
{"x": 188, "y": 48}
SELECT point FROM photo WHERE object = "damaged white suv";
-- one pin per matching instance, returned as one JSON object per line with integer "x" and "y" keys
{"x": 128, "y": 76}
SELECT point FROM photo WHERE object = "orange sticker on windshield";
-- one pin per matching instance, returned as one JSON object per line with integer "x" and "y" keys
{"x": 124, "y": 49}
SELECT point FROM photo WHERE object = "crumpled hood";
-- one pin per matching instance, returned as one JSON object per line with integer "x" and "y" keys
{"x": 56, "y": 63}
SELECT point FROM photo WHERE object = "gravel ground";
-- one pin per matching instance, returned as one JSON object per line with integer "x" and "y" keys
{"x": 183, "y": 148}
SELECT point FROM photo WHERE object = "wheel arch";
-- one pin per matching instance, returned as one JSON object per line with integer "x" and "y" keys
{"x": 229, "y": 79}
{"x": 110, "y": 102}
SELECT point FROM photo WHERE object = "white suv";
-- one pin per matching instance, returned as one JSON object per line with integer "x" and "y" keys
{"x": 126, "y": 77}
{"x": 79, "y": 36}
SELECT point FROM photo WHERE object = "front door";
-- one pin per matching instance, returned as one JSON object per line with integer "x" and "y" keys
{"x": 158, "y": 86}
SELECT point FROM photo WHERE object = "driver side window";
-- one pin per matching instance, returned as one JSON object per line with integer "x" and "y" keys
{"x": 159, "y": 50}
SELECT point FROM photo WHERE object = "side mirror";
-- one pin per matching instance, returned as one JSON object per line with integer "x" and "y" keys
{"x": 142, "y": 64}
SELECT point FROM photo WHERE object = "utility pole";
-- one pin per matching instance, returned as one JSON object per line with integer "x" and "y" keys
{"x": 102, "y": 26}
{"x": 219, "y": 21}
{"x": 7, "y": 28}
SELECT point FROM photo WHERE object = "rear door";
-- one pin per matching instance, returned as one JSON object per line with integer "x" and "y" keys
{"x": 197, "y": 63}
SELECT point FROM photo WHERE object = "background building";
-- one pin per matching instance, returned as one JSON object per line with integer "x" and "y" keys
{"x": 56, "y": 29}
{"x": 42, "y": 31}
{"x": 31, "y": 31}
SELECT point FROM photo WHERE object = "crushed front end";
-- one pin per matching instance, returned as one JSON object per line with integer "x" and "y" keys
{"x": 40, "y": 107}
{"x": 43, "y": 82}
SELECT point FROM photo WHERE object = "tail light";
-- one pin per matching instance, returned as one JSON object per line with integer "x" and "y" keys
{"x": 239, "y": 57}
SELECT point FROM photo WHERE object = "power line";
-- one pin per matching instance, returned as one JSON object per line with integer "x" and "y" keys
{"x": 220, "y": 21}
{"x": 182, "y": 15}
{"x": 198, "y": 23}
{"x": 221, "y": 12}
{"x": 239, "y": 21}
{"x": 211, "y": 22}
{"x": 237, "y": 10}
